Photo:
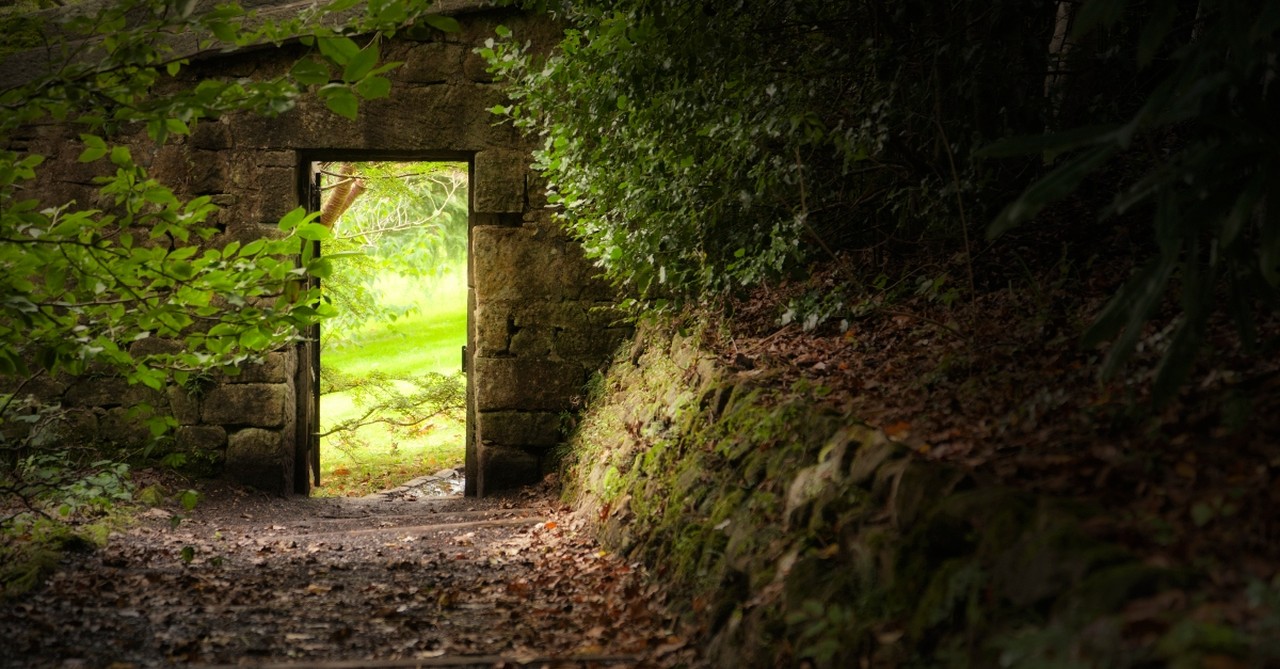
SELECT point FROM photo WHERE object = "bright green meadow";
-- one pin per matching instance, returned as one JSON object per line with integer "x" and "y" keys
{"x": 427, "y": 339}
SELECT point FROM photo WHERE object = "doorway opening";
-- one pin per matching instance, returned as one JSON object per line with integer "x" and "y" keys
{"x": 392, "y": 398}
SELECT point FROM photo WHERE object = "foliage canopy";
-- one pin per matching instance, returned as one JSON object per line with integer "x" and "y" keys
{"x": 695, "y": 148}
{"x": 409, "y": 220}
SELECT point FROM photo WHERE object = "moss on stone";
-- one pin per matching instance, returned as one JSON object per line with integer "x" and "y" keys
{"x": 806, "y": 535}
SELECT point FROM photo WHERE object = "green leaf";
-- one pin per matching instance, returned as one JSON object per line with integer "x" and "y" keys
{"x": 254, "y": 339}
{"x": 94, "y": 148}
{"x": 224, "y": 31}
{"x": 342, "y": 102}
{"x": 313, "y": 231}
{"x": 182, "y": 9}
{"x": 182, "y": 270}
{"x": 1201, "y": 514}
{"x": 310, "y": 72}
{"x": 187, "y": 554}
{"x": 446, "y": 23}
{"x": 290, "y": 221}
{"x": 374, "y": 87}
{"x": 338, "y": 49}
{"x": 1053, "y": 143}
{"x": 1053, "y": 187}
{"x": 120, "y": 156}
{"x": 55, "y": 277}
{"x": 320, "y": 267}
{"x": 189, "y": 499}
{"x": 362, "y": 63}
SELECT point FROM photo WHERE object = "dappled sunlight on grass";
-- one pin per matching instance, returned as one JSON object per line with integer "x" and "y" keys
{"x": 428, "y": 339}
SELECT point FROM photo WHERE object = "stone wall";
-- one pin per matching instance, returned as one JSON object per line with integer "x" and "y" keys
{"x": 534, "y": 333}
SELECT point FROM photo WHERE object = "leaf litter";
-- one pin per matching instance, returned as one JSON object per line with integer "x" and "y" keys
{"x": 247, "y": 579}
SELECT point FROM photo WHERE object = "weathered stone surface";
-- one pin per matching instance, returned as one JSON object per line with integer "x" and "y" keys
{"x": 93, "y": 391}
{"x": 260, "y": 458}
{"x": 523, "y": 264}
{"x": 531, "y": 385}
{"x": 531, "y": 342}
{"x": 439, "y": 117}
{"x": 255, "y": 404}
{"x": 204, "y": 438}
{"x": 79, "y": 426}
{"x": 588, "y": 343}
{"x": 211, "y": 135}
{"x": 117, "y": 426}
{"x": 155, "y": 345}
{"x": 520, "y": 428}
{"x": 492, "y": 331}
{"x": 505, "y": 467}
{"x": 183, "y": 405}
{"x": 499, "y": 181}
{"x": 277, "y": 367}
{"x": 431, "y": 63}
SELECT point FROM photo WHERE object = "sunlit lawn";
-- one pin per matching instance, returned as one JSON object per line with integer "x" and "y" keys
{"x": 427, "y": 340}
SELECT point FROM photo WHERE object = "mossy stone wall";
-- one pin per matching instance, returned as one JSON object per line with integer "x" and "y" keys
{"x": 791, "y": 532}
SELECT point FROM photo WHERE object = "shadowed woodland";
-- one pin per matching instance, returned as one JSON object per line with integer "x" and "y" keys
{"x": 954, "y": 345}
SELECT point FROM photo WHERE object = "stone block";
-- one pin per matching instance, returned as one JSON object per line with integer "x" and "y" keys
{"x": 523, "y": 264}
{"x": 260, "y": 458}
{"x": 276, "y": 367}
{"x": 203, "y": 438}
{"x": 278, "y": 193}
{"x": 155, "y": 346}
{"x": 476, "y": 68}
{"x": 211, "y": 135}
{"x": 519, "y": 428}
{"x": 492, "y": 336}
{"x": 116, "y": 425}
{"x": 78, "y": 426}
{"x": 430, "y": 63}
{"x": 498, "y": 185}
{"x": 531, "y": 342}
{"x": 95, "y": 392}
{"x": 588, "y": 343}
{"x": 504, "y": 467}
{"x": 183, "y": 405}
{"x": 252, "y": 404}
{"x": 526, "y": 384}
{"x": 287, "y": 159}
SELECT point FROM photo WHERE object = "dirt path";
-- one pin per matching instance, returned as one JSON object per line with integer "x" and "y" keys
{"x": 251, "y": 580}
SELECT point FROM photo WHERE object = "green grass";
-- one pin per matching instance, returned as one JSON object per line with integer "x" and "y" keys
{"x": 427, "y": 340}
